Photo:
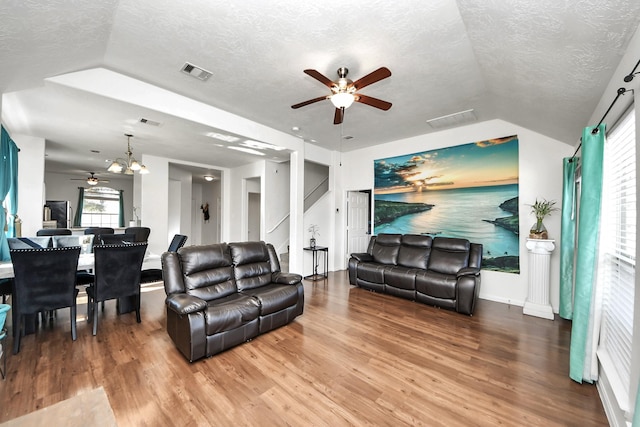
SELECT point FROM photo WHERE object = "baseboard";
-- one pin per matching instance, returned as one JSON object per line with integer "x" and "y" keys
{"x": 519, "y": 303}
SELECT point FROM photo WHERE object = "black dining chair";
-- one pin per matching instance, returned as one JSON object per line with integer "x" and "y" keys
{"x": 141, "y": 233}
{"x": 99, "y": 230}
{"x": 117, "y": 275}
{"x": 44, "y": 280}
{"x": 53, "y": 232}
{"x": 151, "y": 275}
{"x": 114, "y": 239}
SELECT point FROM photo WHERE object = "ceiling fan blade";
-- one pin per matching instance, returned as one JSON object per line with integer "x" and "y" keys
{"x": 375, "y": 76}
{"x": 374, "y": 102}
{"x": 311, "y": 101}
{"x": 338, "y": 116}
{"x": 320, "y": 77}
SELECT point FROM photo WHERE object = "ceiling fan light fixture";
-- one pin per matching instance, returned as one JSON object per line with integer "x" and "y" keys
{"x": 342, "y": 99}
{"x": 92, "y": 181}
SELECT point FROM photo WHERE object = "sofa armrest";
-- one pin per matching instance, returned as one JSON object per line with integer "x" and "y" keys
{"x": 286, "y": 278}
{"x": 185, "y": 304}
{"x": 468, "y": 271}
{"x": 362, "y": 257}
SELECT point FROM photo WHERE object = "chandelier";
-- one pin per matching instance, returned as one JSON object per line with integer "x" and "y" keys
{"x": 129, "y": 165}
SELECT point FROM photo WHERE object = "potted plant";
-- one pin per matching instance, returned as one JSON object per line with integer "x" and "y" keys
{"x": 541, "y": 209}
{"x": 314, "y": 229}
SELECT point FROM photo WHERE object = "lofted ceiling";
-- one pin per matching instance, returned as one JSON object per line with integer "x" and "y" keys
{"x": 540, "y": 64}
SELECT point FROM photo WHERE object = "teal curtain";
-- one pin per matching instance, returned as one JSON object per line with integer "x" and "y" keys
{"x": 8, "y": 187}
{"x": 568, "y": 236}
{"x": 77, "y": 219}
{"x": 588, "y": 226}
{"x": 121, "y": 216}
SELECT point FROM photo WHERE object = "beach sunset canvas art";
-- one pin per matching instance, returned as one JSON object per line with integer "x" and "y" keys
{"x": 467, "y": 191}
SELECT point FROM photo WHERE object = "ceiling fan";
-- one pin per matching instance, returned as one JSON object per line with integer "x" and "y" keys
{"x": 344, "y": 91}
{"x": 91, "y": 179}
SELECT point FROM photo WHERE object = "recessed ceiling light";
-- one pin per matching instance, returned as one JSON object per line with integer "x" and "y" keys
{"x": 295, "y": 129}
{"x": 95, "y": 151}
{"x": 209, "y": 178}
{"x": 222, "y": 137}
{"x": 347, "y": 137}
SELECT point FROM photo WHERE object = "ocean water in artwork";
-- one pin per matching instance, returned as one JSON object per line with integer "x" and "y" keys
{"x": 460, "y": 212}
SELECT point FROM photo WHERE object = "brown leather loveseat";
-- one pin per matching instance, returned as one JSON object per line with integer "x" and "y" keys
{"x": 440, "y": 271}
{"x": 219, "y": 296}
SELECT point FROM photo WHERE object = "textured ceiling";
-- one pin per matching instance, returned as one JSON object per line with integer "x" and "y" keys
{"x": 540, "y": 64}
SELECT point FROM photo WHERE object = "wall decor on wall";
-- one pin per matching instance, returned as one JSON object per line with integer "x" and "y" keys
{"x": 467, "y": 191}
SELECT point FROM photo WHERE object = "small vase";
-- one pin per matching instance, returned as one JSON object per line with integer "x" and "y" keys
{"x": 312, "y": 242}
{"x": 538, "y": 230}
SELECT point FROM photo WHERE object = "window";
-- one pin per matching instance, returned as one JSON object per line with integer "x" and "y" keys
{"x": 617, "y": 257}
{"x": 101, "y": 207}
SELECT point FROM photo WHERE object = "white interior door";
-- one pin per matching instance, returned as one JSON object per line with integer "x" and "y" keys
{"x": 357, "y": 222}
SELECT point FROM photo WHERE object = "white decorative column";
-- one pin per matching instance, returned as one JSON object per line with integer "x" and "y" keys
{"x": 537, "y": 303}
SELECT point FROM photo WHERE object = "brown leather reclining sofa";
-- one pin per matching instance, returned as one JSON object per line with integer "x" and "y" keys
{"x": 440, "y": 271}
{"x": 219, "y": 296}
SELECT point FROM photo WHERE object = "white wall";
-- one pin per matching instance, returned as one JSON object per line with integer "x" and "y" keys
{"x": 30, "y": 182}
{"x": 210, "y": 193}
{"x": 540, "y": 176}
{"x": 154, "y": 189}
{"x": 182, "y": 193}
{"x": 241, "y": 182}
{"x": 276, "y": 182}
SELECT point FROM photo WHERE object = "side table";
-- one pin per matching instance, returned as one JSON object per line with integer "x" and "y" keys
{"x": 314, "y": 252}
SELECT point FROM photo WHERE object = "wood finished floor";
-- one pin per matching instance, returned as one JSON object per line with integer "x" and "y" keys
{"x": 353, "y": 358}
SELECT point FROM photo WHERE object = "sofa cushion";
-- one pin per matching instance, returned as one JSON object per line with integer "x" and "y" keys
{"x": 448, "y": 255}
{"x": 231, "y": 312}
{"x": 436, "y": 284}
{"x": 252, "y": 265}
{"x": 414, "y": 251}
{"x": 371, "y": 272}
{"x": 208, "y": 273}
{"x": 400, "y": 277}
{"x": 274, "y": 297}
{"x": 385, "y": 249}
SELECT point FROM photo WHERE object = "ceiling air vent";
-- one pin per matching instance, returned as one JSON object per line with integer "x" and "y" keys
{"x": 195, "y": 71}
{"x": 150, "y": 122}
{"x": 455, "y": 119}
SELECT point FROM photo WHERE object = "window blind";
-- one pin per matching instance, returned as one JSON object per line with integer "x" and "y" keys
{"x": 616, "y": 257}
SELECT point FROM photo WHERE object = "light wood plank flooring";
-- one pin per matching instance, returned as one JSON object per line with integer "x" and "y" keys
{"x": 353, "y": 358}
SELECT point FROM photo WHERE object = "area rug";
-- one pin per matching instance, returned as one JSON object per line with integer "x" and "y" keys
{"x": 91, "y": 408}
